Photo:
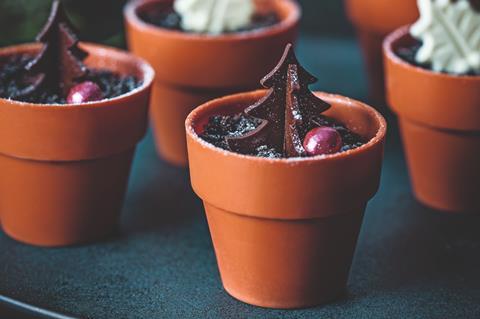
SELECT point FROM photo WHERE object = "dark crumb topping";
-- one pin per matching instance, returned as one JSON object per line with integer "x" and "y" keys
{"x": 221, "y": 126}
{"x": 12, "y": 82}
{"x": 165, "y": 17}
{"x": 350, "y": 139}
{"x": 408, "y": 54}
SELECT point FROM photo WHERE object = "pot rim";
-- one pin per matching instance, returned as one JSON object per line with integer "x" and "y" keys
{"x": 146, "y": 69}
{"x": 130, "y": 14}
{"x": 231, "y": 99}
{"x": 373, "y": 17}
{"x": 390, "y": 54}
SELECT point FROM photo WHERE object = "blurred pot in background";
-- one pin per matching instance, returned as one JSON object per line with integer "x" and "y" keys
{"x": 439, "y": 119}
{"x": 193, "y": 68}
{"x": 373, "y": 20}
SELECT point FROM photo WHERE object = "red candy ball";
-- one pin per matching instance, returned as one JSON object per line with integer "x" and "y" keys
{"x": 84, "y": 92}
{"x": 322, "y": 140}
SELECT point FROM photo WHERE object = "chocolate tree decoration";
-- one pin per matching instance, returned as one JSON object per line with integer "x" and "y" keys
{"x": 287, "y": 109}
{"x": 59, "y": 63}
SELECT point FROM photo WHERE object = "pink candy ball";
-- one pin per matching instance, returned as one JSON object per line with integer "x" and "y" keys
{"x": 322, "y": 140}
{"x": 84, "y": 92}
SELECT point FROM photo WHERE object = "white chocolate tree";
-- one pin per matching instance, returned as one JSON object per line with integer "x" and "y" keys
{"x": 214, "y": 16}
{"x": 450, "y": 35}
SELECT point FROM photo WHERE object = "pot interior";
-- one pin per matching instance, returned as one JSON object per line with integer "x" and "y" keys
{"x": 117, "y": 61}
{"x": 99, "y": 57}
{"x": 404, "y": 42}
{"x": 281, "y": 7}
{"x": 356, "y": 116}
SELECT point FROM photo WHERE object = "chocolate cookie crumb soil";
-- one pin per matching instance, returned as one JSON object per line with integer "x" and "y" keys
{"x": 12, "y": 83}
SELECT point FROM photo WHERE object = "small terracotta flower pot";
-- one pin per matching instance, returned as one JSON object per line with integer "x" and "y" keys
{"x": 439, "y": 117}
{"x": 192, "y": 69}
{"x": 284, "y": 230}
{"x": 373, "y": 20}
{"x": 64, "y": 169}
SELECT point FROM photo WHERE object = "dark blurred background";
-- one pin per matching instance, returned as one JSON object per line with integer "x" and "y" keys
{"x": 101, "y": 20}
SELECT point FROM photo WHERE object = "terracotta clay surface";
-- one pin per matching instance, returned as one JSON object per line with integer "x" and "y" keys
{"x": 192, "y": 69}
{"x": 440, "y": 123}
{"x": 284, "y": 230}
{"x": 373, "y": 20}
{"x": 65, "y": 168}
{"x": 278, "y": 264}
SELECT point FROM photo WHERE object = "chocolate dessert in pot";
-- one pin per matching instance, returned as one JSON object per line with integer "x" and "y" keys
{"x": 57, "y": 74}
{"x": 286, "y": 122}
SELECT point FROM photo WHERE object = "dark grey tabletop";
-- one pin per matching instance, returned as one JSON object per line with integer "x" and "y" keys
{"x": 411, "y": 262}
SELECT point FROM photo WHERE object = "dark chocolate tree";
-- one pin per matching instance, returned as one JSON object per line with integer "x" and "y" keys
{"x": 286, "y": 110}
{"x": 59, "y": 63}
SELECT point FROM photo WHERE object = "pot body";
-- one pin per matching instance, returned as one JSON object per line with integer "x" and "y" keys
{"x": 62, "y": 203}
{"x": 284, "y": 263}
{"x": 373, "y": 20}
{"x": 65, "y": 168}
{"x": 282, "y": 239}
{"x": 439, "y": 119}
{"x": 192, "y": 69}
{"x": 443, "y": 166}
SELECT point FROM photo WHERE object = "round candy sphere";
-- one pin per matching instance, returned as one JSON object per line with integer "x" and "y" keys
{"x": 322, "y": 140}
{"x": 84, "y": 92}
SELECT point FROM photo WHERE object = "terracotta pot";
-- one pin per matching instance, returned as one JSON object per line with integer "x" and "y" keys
{"x": 192, "y": 69}
{"x": 439, "y": 117}
{"x": 284, "y": 230}
{"x": 64, "y": 169}
{"x": 373, "y": 20}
